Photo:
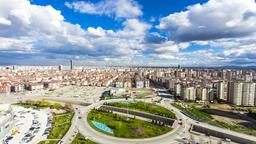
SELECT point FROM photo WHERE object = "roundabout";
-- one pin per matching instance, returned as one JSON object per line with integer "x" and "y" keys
{"x": 123, "y": 126}
{"x": 79, "y": 124}
{"x": 80, "y": 129}
{"x": 168, "y": 135}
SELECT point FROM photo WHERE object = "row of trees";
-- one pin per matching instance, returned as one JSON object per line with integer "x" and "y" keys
{"x": 44, "y": 104}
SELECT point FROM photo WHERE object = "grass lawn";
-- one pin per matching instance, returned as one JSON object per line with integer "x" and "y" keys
{"x": 194, "y": 112}
{"x": 48, "y": 142}
{"x": 80, "y": 139}
{"x": 146, "y": 107}
{"x": 200, "y": 115}
{"x": 125, "y": 127}
{"x": 60, "y": 125}
{"x": 39, "y": 104}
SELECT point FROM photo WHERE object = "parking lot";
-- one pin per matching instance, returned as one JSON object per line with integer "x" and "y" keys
{"x": 30, "y": 126}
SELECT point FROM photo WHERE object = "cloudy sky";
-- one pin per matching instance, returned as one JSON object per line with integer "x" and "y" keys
{"x": 128, "y": 32}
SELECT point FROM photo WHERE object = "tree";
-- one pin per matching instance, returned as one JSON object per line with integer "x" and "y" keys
{"x": 57, "y": 105}
{"x": 44, "y": 103}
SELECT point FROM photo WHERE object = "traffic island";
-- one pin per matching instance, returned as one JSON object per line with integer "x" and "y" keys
{"x": 123, "y": 126}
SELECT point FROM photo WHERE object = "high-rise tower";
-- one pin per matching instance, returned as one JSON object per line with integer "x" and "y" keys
{"x": 71, "y": 65}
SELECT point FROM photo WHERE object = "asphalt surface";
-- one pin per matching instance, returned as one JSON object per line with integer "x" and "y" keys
{"x": 177, "y": 135}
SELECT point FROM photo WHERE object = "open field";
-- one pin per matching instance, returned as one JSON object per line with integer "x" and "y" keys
{"x": 125, "y": 127}
{"x": 219, "y": 117}
{"x": 80, "y": 139}
{"x": 141, "y": 92}
{"x": 145, "y": 107}
{"x": 88, "y": 93}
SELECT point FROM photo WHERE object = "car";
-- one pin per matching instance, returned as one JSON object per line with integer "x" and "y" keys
{"x": 29, "y": 139}
{"x": 9, "y": 138}
{"x": 36, "y": 130}
{"x": 24, "y": 139}
{"x": 27, "y": 134}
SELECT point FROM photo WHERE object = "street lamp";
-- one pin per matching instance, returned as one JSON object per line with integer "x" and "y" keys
{"x": 127, "y": 108}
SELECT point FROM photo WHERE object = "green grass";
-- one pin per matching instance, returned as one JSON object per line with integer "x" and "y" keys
{"x": 236, "y": 128}
{"x": 146, "y": 107}
{"x": 80, "y": 139}
{"x": 60, "y": 125}
{"x": 126, "y": 128}
{"x": 39, "y": 104}
{"x": 200, "y": 115}
{"x": 193, "y": 112}
{"x": 48, "y": 142}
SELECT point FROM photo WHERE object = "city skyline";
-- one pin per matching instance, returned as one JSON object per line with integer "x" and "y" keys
{"x": 127, "y": 71}
{"x": 196, "y": 33}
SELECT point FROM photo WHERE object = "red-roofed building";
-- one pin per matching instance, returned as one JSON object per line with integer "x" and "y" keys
{"x": 5, "y": 87}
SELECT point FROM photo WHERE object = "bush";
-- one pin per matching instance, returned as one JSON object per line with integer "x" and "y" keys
{"x": 146, "y": 107}
{"x": 57, "y": 105}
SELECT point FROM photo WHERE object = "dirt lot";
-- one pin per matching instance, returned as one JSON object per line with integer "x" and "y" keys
{"x": 228, "y": 114}
{"x": 142, "y": 92}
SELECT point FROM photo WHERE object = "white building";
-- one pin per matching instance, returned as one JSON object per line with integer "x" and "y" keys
{"x": 242, "y": 93}
{"x": 139, "y": 84}
{"x": 222, "y": 90}
{"x": 170, "y": 84}
{"x": 202, "y": 94}
{"x": 119, "y": 84}
{"x": 235, "y": 93}
{"x": 177, "y": 89}
{"x": 248, "y": 94}
{"x": 146, "y": 83}
{"x": 188, "y": 93}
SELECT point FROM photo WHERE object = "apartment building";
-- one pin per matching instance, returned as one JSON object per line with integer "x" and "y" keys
{"x": 222, "y": 90}
{"x": 242, "y": 93}
{"x": 188, "y": 93}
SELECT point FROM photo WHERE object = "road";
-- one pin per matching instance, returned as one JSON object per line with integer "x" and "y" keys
{"x": 101, "y": 138}
{"x": 81, "y": 125}
{"x": 73, "y": 130}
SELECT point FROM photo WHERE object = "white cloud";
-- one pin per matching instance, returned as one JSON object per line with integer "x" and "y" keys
{"x": 116, "y": 8}
{"x": 134, "y": 28}
{"x": 18, "y": 45}
{"x": 4, "y": 21}
{"x": 96, "y": 32}
{"x": 213, "y": 20}
{"x": 42, "y": 30}
{"x": 167, "y": 50}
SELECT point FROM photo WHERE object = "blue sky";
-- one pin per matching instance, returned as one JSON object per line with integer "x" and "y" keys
{"x": 151, "y": 9}
{"x": 128, "y": 32}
